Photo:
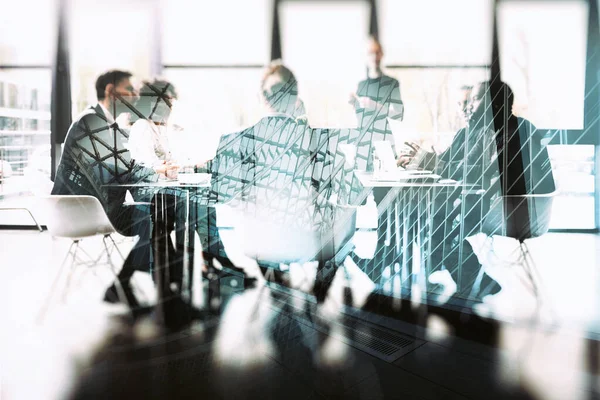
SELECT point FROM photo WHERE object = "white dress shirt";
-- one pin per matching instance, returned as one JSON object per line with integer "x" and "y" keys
{"x": 148, "y": 143}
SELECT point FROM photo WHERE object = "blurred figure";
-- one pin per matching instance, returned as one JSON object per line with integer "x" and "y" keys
{"x": 237, "y": 159}
{"x": 376, "y": 99}
{"x": 269, "y": 173}
{"x": 418, "y": 155}
{"x": 465, "y": 106}
{"x": 94, "y": 155}
{"x": 148, "y": 142}
{"x": 477, "y": 156}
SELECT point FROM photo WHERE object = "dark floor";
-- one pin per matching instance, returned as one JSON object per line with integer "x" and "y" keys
{"x": 271, "y": 345}
{"x": 271, "y": 342}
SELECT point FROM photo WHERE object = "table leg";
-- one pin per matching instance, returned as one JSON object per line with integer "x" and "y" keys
{"x": 161, "y": 249}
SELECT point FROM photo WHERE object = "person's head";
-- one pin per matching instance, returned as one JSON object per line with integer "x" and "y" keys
{"x": 464, "y": 103}
{"x": 501, "y": 101}
{"x": 374, "y": 53}
{"x": 280, "y": 88}
{"x": 115, "y": 91}
{"x": 156, "y": 99}
{"x": 492, "y": 104}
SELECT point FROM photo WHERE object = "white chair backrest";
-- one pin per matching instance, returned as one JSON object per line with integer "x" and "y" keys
{"x": 76, "y": 217}
{"x": 267, "y": 241}
{"x": 520, "y": 217}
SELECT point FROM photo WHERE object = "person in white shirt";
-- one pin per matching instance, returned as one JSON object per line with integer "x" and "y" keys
{"x": 148, "y": 141}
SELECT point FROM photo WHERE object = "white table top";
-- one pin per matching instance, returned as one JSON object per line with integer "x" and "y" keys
{"x": 405, "y": 179}
{"x": 161, "y": 184}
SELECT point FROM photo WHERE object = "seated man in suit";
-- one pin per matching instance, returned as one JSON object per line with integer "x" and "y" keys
{"x": 499, "y": 154}
{"x": 94, "y": 156}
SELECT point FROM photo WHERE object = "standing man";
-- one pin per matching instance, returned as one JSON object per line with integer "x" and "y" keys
{"x": 94, "y": 156}
{"x": 376, "y": 100}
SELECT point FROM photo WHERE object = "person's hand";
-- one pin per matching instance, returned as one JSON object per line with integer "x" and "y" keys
{"x": 403, "y": 161}
{"x": 414, "y": 148}
{"x": 353, "y": 99}
{"x": 171, "y": 171}
{"x": 161, "y": 168}
{"x": 367, "y": 103}
{"x": 167, "y": 169}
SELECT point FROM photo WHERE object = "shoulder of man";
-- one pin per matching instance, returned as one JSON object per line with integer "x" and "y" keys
{"x": 90, "y": 118}
{"x": 389, "y": 79}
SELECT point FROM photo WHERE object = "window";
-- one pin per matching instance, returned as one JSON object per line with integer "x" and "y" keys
{"x": 24, "y": 138}
{"x": 214, "y": 53}
{"x": 543, "y": 53}
{"x": 324, "y": 43}
{"x": 573, "y": 170}
{"x": 126, "y": 43}
{"x": 25, "y": 79}
{"x": 436, "y": 32}
{"x": 431, "y": 96}
{"x": 26, "y": 37}
{"x": 224, "y": 32}
{"x": 213, "y": 102}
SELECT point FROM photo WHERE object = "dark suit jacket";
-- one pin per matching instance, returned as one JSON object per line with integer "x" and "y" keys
{"x": 94, "y": 155}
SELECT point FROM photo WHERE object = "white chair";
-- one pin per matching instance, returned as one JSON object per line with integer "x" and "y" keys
{"x": 271, "y": 244}
{"x": 521, "y": 217}
{"x": 78, "y": 218}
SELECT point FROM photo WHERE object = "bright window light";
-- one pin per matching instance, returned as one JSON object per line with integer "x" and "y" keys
{"x": 542, "y": 53}
{"x": 436, "y": 32}
{"x": 216, "y": 32}
{"x": 324, "y": 43}
{"x": 27, "y": 32}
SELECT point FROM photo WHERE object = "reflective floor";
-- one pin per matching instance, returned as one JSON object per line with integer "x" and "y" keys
{"x": 272, "y": 342}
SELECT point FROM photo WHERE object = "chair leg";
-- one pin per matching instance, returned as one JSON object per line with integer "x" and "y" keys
{"x": 536, "y": 282}
{"x": 118, "y": 286}
{"x": 72, "y": 269}
{"x": 46, "y": 304}
{"x": 109, "y": 236}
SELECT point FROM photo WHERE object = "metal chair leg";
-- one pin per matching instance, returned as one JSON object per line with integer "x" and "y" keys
{"x": 109, "y": 236}
{"x": 72, "y": 269}
{"x": 536, "y": 282}
{"x": 46, "y": 304}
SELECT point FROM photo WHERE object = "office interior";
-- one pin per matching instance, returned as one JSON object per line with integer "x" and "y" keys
{"x": 431, "y": 280}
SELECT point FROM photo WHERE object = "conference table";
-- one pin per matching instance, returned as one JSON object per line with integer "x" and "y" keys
{"x": 405, "y": 216}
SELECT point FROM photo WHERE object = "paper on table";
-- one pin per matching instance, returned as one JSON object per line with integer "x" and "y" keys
{"x": 400, "y": 175}
{"x": 386, "y": 155}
